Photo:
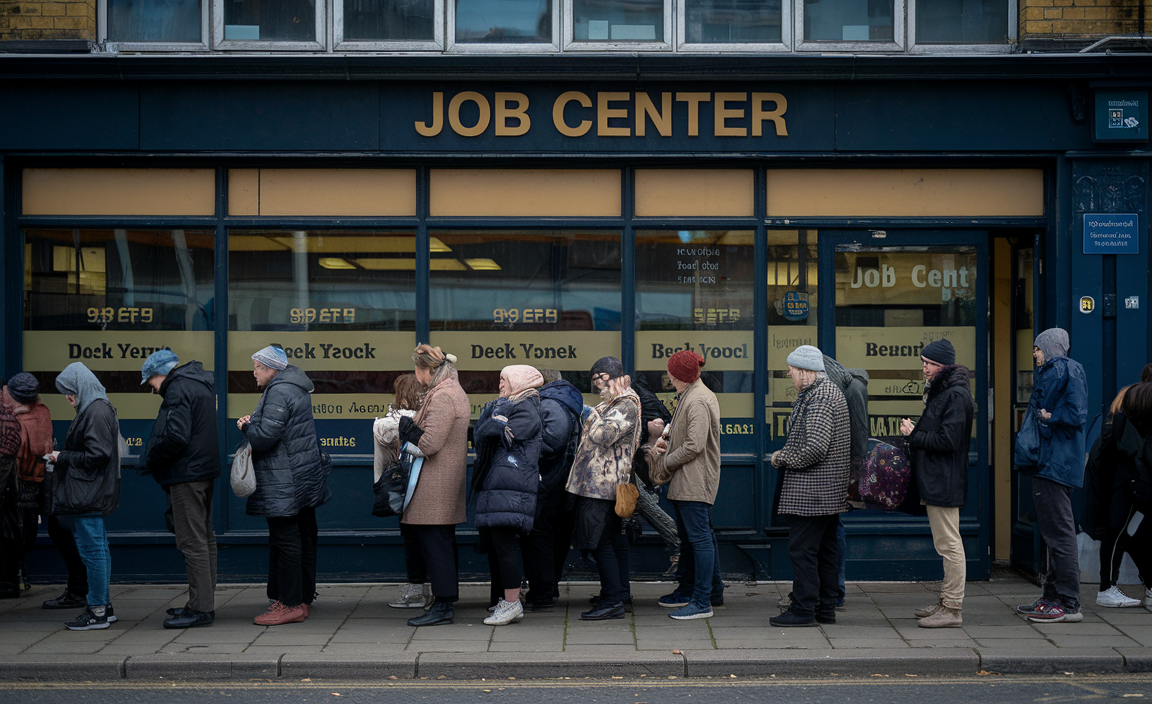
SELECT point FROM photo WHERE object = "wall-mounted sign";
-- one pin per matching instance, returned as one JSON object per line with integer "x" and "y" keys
{"x": 1111, "y": 233}
{"x": 1121, "y": 116}
{"x": 795, "y": 305}
{"x": 1087, "y": 304}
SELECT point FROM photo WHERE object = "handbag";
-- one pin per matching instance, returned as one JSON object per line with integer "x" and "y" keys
{"x": 626, "y": 496}
{"x": 886, "y": 476}
{"x": 243, "y": 473}
{"x": 391, "y": 489}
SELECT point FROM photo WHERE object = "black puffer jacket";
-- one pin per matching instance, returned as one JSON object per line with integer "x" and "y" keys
{"x": 560, "y": 407}
{"x": 506, "y": 476}
{"x": 939, "y": 444}
{"x": 89, "y": 464}
{"x": 183, "y": 447}
{"x": 290, "y": 475}
{"x": 1134, "y": 462}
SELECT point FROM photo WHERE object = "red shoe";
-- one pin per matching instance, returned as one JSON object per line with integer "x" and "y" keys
{"x": 278, "y": 614}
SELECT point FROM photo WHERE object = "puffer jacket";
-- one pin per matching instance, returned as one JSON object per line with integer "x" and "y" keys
{"x": 939, "y": 443}
{"x": 506, "y": 476}
{"x": 560, "y": 407}
{"x": 609, "y": 439}
{"x": 693, "y": 455}
{"x": 817, "y": 454}
{"x": 290, "y": 474}
{"x": 1062, "y": 390}
{"x": 89, "y": 463}
{"x": 182, "y": 447}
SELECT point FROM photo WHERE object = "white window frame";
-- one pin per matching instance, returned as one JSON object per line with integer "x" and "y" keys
{"x": 497, "y": 48}
{"x": 570, "y": 43}
{"x": 787, "y": 8}
{"x": 116, "y": 47}
{"x": 221, "y": 44}
{"x": 340, "y": 44}
{"x": 899, "y": 35}
{"x": 1005, "y": 48}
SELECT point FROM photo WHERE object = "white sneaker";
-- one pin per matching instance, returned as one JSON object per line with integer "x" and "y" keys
{"x": 412, "y": 596}
{"x": 506, "y": 612}
{"x": 1113, "y": 598}
{"x": 1148, "y": 599}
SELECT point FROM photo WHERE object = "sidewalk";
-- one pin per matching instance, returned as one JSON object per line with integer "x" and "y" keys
{"x": 353, "y": 634}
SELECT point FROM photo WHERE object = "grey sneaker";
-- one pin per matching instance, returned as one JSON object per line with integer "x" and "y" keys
{"x": 506, "y": 612}
{"x": 927, "y": 611}
{"x": 943, "y": 618}
{"x": 412, "y": 596}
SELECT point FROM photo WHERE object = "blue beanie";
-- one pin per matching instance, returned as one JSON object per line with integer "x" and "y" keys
{"x": 807, "y": 357}
{"x": 159, "y": 363}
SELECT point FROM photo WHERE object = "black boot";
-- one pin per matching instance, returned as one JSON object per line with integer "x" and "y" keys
{"x": 441, "y": 612}
{"x": 188, "y": 618}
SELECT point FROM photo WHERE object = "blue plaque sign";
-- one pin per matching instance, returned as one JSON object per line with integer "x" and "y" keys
{"x": 1111, "y": 233}
{"x": 795, "y": 305}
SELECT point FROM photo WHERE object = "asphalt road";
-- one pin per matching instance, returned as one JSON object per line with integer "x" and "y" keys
{"x": 992, "y": 689}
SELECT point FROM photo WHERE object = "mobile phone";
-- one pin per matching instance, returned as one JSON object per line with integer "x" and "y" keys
{"x": 1134, "y": 523}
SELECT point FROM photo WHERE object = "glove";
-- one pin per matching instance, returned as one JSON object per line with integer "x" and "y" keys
{"x": 409, "y": 431}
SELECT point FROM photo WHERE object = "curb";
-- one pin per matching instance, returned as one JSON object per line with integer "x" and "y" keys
{"x": 1078, "y": 660}
{"x": 501, "y": 666}
{"x": 851, "y": 663}
{"x": 201, "y": 667}
{"x": 62, "y": 668}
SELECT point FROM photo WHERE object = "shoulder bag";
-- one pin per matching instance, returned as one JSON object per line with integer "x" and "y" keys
{"x": 243, "y": 473}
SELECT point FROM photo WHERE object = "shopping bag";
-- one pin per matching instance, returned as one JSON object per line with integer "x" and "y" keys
{"x": 886, "y": 475}
{"x": 243, "y": 473}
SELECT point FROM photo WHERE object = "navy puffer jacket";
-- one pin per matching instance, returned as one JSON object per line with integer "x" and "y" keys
{"x": 506, "y": 476}
{"x": 290, "y": 475}
{"x": 561, "y": 404}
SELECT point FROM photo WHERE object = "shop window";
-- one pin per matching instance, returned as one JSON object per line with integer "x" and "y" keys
{"x": 1023, "y": 315}
{"x": 604, "y": 23}
{"x": 272, "y": 24}
{"x": 341, "y": 304}
{"x": 388, "y": 20}
{"x": 732, "y": 22}
{"x": 546, "y": 298}
{"x": 862, "y": 23}
{"x": 109, "y": 298}
{"x": 694, "y": 290}
{"x": 960, "y": 21}
{"x": 156, "y": 21}
{"x": 492, "y": 22}
{"x": 792, "y": 318}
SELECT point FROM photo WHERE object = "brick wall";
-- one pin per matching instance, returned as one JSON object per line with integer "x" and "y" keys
{"x": 1082, "y": 19}
{"x": 29, "y": 20}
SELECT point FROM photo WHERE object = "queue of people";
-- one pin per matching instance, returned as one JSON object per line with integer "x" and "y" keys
{"x": 551, "y": 474}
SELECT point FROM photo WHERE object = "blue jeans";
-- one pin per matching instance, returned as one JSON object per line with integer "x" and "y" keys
{"x": 92, "y": 542}
{"x": 699, "y": 553}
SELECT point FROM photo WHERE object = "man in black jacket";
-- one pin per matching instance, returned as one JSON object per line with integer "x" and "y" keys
{"x": 184, "y": 457}
{"x": 938, "y": 445}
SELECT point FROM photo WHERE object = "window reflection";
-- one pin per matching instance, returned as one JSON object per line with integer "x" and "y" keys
{"x": 618, "y": 20}
{"x": 732, "y": 21}
{"x": 848, "y": 20}
{"x": 961, "y": 21}
{"x": 503, "y": 21}
{"x": 270, "y": 20}
{"x": 389, "y": 20}
{"x": 154, "y": 21}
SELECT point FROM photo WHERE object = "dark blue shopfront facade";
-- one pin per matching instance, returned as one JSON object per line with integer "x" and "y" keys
{"x": 766, "y": 115}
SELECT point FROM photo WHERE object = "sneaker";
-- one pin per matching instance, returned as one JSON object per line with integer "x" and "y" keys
{"x": 691, "y": 612}
{"x": 189, "y": 619}
{"x": 109, "y": 613}
{"x": 595, "y": 601}
{"x": 826, "y": 616}
{"x": 545, "y": 607}
{"x": 791, "y": 618}
{"x": 67, "y": 600}
{"x": 603, "y": 612}
{"x": 1056, "y": 613}
{"x": 1113, "y": 598}
{"x": 944, "y": 617}
{"x": 1034, "y": 608}
{"x": 1148, "y": 599}
{"x": 87, "y": 621}
{"x": 927, "y": 610}
{"x": 675, "y": 600}
{"x": 279, "y": 614}
{"x": 412, "y": 596}
{"x": 506, "y": 612}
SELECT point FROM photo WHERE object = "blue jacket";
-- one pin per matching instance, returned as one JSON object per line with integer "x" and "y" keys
{"x": 1061, "y": 389}
{"x": 506, "y": 475}
{"x": 560, "y": 407}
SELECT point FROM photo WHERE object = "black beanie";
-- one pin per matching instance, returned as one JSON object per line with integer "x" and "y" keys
{"x": 611, "y": 366}
{"x": 940, "y": 352}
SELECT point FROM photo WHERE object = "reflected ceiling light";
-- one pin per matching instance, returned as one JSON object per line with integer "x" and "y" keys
{"x": 435, "y": 245}
{"x": 483, "y": 264}
{"x": 387, "y": 264}
{"x": 335, "y": 263}
{"x": 448, "y": 265}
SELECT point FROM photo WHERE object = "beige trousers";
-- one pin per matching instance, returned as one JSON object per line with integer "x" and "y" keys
{"x": 945, "y": 523}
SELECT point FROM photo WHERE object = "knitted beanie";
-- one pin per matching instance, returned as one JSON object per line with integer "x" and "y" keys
{"x": 685, "y": 366}
{"x": 272, "y": 357}
{"x": 940, "y": 352}
{"x": 807, "y": 357}
{"x": 23, "y": 387}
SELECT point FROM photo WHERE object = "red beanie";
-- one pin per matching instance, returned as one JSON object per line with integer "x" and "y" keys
{"x": 685, "y": 366}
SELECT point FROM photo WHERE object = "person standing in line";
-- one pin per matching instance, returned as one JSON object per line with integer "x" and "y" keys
{"x": 291, "y": 481}
{"x": 546, "y": 548}
{"x": 655, "y": 416}
{"x": 938, "y": 449}
{"x": 506, "y": 483}
{"x": 815, "y": 460}
{"x": 610, "y": 437}
{"x": 409, "y": 393}
{"x": 87, "y": 486}
{"x": 183, "y": 456}
{"x": 689, "y": 460}
{"x": 440, "y": 432}
{"x": 1134, "y": 473}
{"x": 1060, "y": 397}
{"x": 11, "y": 537}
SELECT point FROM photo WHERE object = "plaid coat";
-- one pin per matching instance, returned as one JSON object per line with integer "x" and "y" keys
{"x": 817, "y": 454}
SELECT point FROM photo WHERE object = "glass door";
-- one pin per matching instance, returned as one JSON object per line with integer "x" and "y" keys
{"x": 884, "y": 296}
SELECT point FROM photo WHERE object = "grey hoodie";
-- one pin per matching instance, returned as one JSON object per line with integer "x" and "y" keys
{"x": 79, "y": 381}
{"x": 1053, "y": 342}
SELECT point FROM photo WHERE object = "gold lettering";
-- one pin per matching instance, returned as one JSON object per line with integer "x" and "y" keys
{"x": 693, "y": 100}
{"x": 720, "y": 127}
{"x": 605, "y": 113}
{"x": 520, "y": 114}
{"x": 662, "y": 120}
{"x": 759, "y": 115}
{"x": 558, "y": 114}
{"x": 454, "y": 114}
{"x": 426, "y": 130}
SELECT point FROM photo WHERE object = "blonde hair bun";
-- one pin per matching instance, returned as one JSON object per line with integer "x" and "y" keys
{"x": 450, "y": 357}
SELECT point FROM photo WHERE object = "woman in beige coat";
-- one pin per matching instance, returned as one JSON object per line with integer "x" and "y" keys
{"x": 440, "y": 431}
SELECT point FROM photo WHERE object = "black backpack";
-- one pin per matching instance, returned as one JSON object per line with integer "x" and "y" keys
{"x": 854, "y": 384}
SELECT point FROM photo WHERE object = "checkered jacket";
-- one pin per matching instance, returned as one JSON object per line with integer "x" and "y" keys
{"x": 817, "y": 454}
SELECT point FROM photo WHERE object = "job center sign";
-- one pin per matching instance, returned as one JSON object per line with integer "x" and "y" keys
{"x": 1111, "y": 233}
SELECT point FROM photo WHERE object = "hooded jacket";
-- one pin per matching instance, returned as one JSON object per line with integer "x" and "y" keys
{"x": 290, "y": 475}
{"x": 561, "y": 404}
{"x": 939, "y": 443}
{"x": 89, "y": 463}
{"x": 182, "y": 447}
{"x": 1062, "y": 390}
{"x": 506, "y": 475}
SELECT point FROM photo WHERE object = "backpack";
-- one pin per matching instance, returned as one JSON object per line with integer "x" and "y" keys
{"x": 854, "y": 385}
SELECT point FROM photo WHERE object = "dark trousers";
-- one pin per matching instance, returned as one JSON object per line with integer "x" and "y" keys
{"x": 815, "y": 554}
{"x": 1058, "y": 532}
{"x": 413, "y": 557}
{"x": 505, "y": 562}
{"x": 539, "y": 562}
{"x": 563, "y": 526}
{"x": 438, "y": 546}
{"x": 612, "y": 561}
{"x": 292, "y": 558}
{"x": 195, "y": 538}
{"x": 699, "y": 553}
{"x": 1140, "y": 547}
{"x": 65, "y": 544}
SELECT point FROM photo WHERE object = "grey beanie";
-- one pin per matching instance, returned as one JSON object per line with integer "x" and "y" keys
{"x": 806, "y": 357}
{"x": 1054, "y": 343}
{"x": 940, "y": 352}
{"x": 23, "y": 387}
